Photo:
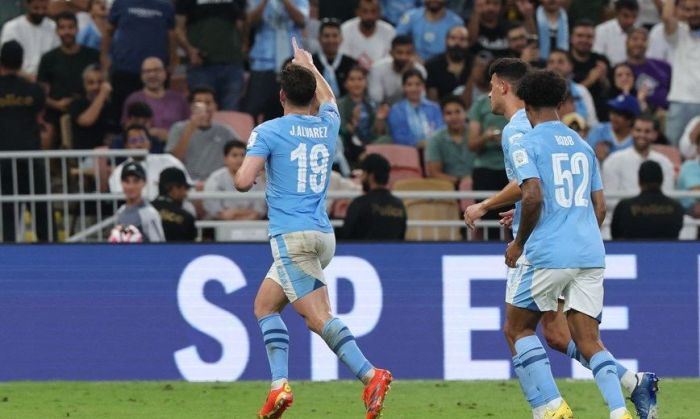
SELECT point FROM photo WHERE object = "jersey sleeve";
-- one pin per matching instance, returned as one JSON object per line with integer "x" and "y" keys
{"x": 330, "y": 114}
{"x": 257, "y": 145}
{"x": 524, "y": 165}
{"x": 596, "y": 178}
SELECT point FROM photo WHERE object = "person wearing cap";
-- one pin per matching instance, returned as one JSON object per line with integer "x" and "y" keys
{"x": 21, "y": 106}
{"x": 615, "y": 135}
{"x": 178, "y": 222}
{"x": 378, "y": 214}
{"x": 651, "y": 214}
{"x": 137, "y": 211}
{"x": 136, "y": 138}
{"x": 621, "y": 167}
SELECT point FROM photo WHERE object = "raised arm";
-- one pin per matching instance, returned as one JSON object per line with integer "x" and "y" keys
{"x": 324, "y": 93}
{"x": 669, "y": 18}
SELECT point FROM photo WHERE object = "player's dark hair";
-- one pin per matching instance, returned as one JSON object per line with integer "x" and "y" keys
{"x": 632, "y": 5}
{"x": 542, "y": 89}
{"x": 400, "y": 40}
{"x": 511, "y": 70}
{"x": 585, "y": 23}
{"x": 377, "y": 165}
{"x": 412, "y": 72}
{"x": 299, "y": 84}
{"x": 66, "y": 16}
{"x": 329, "y": 22}
{"x": 452, "y": 99}
{"x": 231, "y": 144}
{"x": 139, "y": 110}
{"x": 198, "y": 90}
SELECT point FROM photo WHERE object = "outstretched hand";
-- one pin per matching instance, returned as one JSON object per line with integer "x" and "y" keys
{"x": 302, "y": 57}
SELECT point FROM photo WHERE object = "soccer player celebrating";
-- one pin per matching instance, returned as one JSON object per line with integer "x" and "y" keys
{"x": 296, "y": 151}
{"x": 558, "y": 249}
{"x": 506, "y": 73}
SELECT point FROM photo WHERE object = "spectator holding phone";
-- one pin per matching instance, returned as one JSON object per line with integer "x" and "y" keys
{"x": 198, "y": 141}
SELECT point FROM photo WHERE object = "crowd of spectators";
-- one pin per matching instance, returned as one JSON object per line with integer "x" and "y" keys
{"x": 408, "y": 72}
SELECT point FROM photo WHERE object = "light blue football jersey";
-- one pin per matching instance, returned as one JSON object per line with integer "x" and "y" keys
{"x": 299, "y": 151}
{"x": 567, "y": 234}
{"x": 518, "y": 126}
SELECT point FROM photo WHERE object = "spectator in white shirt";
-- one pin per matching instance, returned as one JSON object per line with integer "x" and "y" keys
{"x": 366, "y": 38}
{"x": 35, "y": 32}
{"x": 385, "y": 84}
{"x": 611, "y": 36}
{"x": 621, "y": 167}
{"x": 659, "y": 49}
{"x": 137, "y": 139}
{"x": 684, "y": 38}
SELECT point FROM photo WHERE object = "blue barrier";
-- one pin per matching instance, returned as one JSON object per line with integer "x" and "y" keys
{"x": 147, "y": 312}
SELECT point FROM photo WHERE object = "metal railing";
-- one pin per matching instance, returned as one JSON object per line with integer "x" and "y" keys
{"x": 63, "y": 196}
{"x": 48, "y": 195}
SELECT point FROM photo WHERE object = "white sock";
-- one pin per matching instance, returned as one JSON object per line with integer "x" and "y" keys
{"x": 368, "y": 376}
{"x": 618, "y": 413}
{"x": 277, "y": 384}
{"x": 629, "y": 380}
{"x": 554, "y": 404}
{"x": 538, "y": 412}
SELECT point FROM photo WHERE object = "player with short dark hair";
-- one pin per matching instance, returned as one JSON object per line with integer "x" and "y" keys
{"x": 506, "y": 75}
{"x": 558, "y": 249}
{"x": 296, "y": 151}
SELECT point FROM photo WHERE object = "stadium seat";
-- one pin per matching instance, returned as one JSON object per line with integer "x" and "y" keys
{"x": 430, "y": 209}
{"x": 466, "y": 185}
{"x": 404, "y": 160}
{"x": 240, "y": 122}
{"x": 672, "y": 153}
{"x": 66, "y": 132}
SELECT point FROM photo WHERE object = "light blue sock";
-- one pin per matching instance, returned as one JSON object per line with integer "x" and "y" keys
{"x": 277, "y": 344}
{"x": 573, "y": 353}
{"x": 605, "y": 374}
{"x": 528, "y": 386}
{"x": 338, "y": 337}
{"x": 535, "y": 362}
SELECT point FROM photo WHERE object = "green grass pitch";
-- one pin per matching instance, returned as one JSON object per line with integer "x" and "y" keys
{"x": 679, "y": 399}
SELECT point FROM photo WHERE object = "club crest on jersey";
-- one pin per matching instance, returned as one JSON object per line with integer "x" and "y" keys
{"x": 520, "y": 158}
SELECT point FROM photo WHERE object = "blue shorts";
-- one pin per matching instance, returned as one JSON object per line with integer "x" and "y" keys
{"x": 299, "y": 259}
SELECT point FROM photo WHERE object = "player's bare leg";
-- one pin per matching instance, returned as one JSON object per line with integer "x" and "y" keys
{"x": 269, "y": 303}
{"x": 315, "y": 308}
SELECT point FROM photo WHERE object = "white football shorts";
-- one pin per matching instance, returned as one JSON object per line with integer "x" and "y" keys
{"x": 299, "y": 259}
